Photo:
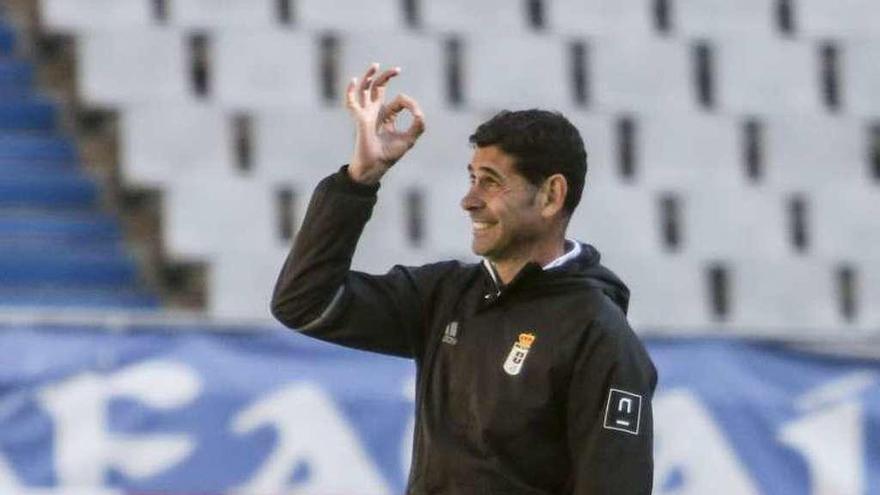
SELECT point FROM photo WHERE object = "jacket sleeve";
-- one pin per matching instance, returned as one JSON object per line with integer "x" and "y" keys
{"x": 610, "y": 419}
{"x": 317, "y": 293}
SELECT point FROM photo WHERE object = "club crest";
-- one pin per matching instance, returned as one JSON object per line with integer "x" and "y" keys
{"x": 513, "y": 364}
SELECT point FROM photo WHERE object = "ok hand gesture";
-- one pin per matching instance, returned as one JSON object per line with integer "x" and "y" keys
{"x": 378, "y": 143}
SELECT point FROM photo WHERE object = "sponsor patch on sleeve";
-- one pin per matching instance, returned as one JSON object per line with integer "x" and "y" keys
{"x": 623, "y": 411}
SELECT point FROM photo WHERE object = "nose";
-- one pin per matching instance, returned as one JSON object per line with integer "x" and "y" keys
{"x": 471, "y": 201}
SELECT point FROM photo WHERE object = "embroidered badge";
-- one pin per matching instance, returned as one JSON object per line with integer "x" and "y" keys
{"x": 518, "y": 353}
{"x": 450, "y": 335}
{"x": 623, "y": 411}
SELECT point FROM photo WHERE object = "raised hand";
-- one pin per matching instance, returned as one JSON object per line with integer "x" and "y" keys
{"x": 378, "y": 143}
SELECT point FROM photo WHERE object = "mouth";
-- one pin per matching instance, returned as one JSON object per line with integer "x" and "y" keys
{"x": 481, "y": 226}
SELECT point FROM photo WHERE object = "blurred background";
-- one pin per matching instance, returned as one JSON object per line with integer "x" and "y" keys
{"x": 157, "y": 157}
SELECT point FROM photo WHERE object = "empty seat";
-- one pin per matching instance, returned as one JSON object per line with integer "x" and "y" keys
{"x": 597, "y": 132}
{"x": 861, "y": 75}
{"x": 845, "y": 222}
{"x": 517, "y": 72}
{"x": 161, "y": 142}
{"x": 869, "y": 294}
{"x": 666, "y": 292}
{"x": 783, "y": 297}
{"x": 265, "y": 69}
{"x": 843, "y": 18}
{"x": 641, "y": 74}
{"x": 240, "y": 282}
{"x": 421, "y": 59}
{"x": 116, "y": 67}
{"x": 618, "y": 219}
{"x": 733, "y": 222}
{"x": 350, "y": 15}
{"x": 475, "y": 17}
{"x": 721, "y": 17}
{"x": 210, "y": 14}
{"x": 200, "y": 220}
{"x": 90, "y": 15}
{"x": 812, "y": 152}
{"x": 767, "y": 76}
{"x": 689, "y": 151}
{"x": 600, "y": 17}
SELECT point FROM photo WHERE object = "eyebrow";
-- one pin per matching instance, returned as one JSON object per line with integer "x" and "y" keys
{"x": 488, "y": 170}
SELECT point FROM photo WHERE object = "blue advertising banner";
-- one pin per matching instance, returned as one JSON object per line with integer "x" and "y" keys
{"x": 165, "y": 410}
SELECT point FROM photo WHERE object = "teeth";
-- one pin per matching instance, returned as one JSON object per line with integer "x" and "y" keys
{"x": 481, "y": 225}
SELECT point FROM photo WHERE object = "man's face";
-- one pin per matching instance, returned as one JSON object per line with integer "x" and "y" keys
{"x": 506, "y": 218}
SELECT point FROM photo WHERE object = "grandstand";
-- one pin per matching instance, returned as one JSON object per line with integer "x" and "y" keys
{"x": 734, "y": 152}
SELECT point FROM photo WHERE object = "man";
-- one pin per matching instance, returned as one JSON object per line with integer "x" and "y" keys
{"x": 530, "y": 380}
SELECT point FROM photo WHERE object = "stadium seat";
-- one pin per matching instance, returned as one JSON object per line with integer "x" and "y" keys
{"x": 349, "y": 15}
{"x": 40, "y": 264}
{"x": 765, "y": 76}
{"x": 869, "y": 294}
{"x": 730, "y": 222}
{"x": 16, "y": 78}
{"x": 36, "y": 148}
{"x": 710, "y": 18}
{"x": 201, "y": 221}
{"x": 625, "y": 18}
{"x": 784, "y": 297}
{"x": 81, "y": 16}
{"x": 116, "y": 68}
{"x": 641, "y": 75}
{"x": 618, "y": 219}
{"x": 421, "y": 59}
{"x": 265, "y": 69}
{"x": 33, "y": 114}
{"x": 222, "y": 14}
{"x": 700, "y": 150}
{"x": 160, "y": 141}
{"x": 240, "y": 283}
{"x": 7, "y": 39}
{"x": 597, "y": 132}
{"x": 515, "y": 61}
{"x": 839, "y": 19}
{"x": 845, "y": 222}
{"x": 667, "y": 293}
{"x": 861, "y": 75}
{"x": 463, "y": 16}
{"x": 812, "y": 152}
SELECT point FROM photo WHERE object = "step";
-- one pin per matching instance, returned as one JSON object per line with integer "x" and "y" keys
{"x": 73, "y": 297}
{"x": 92, "y": 266}
{"x": 16, "y": 74}
{"x": 63, "y": 191}
{"x": 35, "y": 114}
{"x": 14, "y": 146}
{"x": 58, "y": 226}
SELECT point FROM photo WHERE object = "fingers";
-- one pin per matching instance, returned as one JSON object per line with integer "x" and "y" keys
{"x": 351, "y": 101}
{"x": 381, "y": 83}
{"x": 401, "y": 102}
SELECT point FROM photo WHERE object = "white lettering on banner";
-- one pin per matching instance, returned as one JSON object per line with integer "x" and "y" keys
{"x": 84, "y": 449}
{"x": 406, "y": 445}
{"x": 687, "y": 439}
{"x": 831, "y": 436}
{"x": 8, "y": 481}
{"x": 311, "y": 431}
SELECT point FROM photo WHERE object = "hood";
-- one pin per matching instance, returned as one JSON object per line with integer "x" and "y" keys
{"x": 587, "y": 266}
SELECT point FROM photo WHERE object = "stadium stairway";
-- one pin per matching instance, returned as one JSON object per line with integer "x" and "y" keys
{"x": 57, "y": 247}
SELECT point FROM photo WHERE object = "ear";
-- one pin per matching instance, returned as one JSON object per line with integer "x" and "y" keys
{"x": 553, "y": 193}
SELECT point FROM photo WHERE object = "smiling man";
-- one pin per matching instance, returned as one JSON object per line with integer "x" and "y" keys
{"x": 530, "y": 380}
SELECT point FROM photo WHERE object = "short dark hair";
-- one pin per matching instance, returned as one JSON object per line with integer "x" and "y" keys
{"x": 543, "y": 143}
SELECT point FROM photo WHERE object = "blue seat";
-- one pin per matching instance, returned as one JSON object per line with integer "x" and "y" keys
{"x": 43, "y": 148}
{"x": 94, "y": 265}
{"x": 7, "y": 39}
{"x": 16, "y": 74}
{"x": 66, "y": 297}
{"x": 59, "y": 226}
{"x": 49, "y": 192}
{"x": 29, "y": 115}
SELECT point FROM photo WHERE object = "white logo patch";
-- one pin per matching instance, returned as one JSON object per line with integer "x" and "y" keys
{"x": 450, "y": 335}
{"x": 623, "y": 411}
{"x": 518, "y": 353}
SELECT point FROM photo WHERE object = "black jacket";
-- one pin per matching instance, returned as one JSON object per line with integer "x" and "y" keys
{"x": 539, "y": 387}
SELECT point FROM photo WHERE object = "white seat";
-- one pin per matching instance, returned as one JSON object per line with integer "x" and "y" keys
{"x": 211, "y": 14}
{"x": 689, "y": 150}
{"x": 764, "y": 76}
{"x": 421, "y": 59}
{"x": 597, "y": 132}
{"x": 618, "y": 219}
{"x": 779, "y": 297}
{"x": 73, "y": 16}
{"x": 464, "y": 16}
{"x": 729, "y": 222}
{"x": 641, "y": 74}
{"x": 842, "y": 18}
{"x": 158, "y": 142}
{"x": 861, "y": 75}
{"x": 869, "y": 294}
{"x": 534, "y": 71}
{"x": 200, "y": 220}
{"x": 666, "y": 292}
{"x": 812, "y": 152}
{"x": 722, "y": 17}
{"x": 240, "y": 283}
{"x": 259, "y": 69}
{"x": 116, "y": 68}
{"x": 600, "y": 17}
{"x": 846, "y": 222}
{"x": 349, "y": 15}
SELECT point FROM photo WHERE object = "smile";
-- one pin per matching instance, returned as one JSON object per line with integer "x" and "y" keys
{"x": 478, "y": 226}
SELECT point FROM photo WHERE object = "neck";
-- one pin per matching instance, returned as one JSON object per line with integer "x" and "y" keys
{"x": 541, "y": 253}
